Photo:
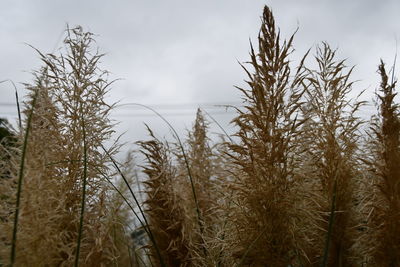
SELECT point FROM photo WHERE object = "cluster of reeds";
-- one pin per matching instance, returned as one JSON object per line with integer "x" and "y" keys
{"x": 299, "y": 189}
{"x": 61, "y": 211}
{"x": 296, "y": 185}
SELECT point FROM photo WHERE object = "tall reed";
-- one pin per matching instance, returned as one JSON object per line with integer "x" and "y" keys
{"x": 381, "y": 242}
{"x": 203, "y": 164}
{"x": 331, "y": 167}
{"x": 166, "y": 214}
{"x": 265, "y": 214}
{"x": 70, "y": 87}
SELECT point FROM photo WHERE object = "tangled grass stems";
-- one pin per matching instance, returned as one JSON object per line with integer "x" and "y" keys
{"x": 128, "y": 248}
{"x": 224, "y": 225}
{"x": 165, "y": 211}
{"x": 126, "y": 201}
{"x": 146, "y": 225}
{"x": 330, "y": 227}
{"x": 187, "y": 165}
{"x": 243, "y": 258}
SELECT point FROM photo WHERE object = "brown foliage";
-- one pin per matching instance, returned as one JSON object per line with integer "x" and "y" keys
{"x": 166, "y": 215}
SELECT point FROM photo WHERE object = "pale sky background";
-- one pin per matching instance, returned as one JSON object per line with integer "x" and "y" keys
{"x": 176, "y": 55}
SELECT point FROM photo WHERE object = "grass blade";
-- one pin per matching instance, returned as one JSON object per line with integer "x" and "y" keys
{"x": 219, "y": 126}
{"x": 18, "y": 108}
{"x": 126, "y": 201}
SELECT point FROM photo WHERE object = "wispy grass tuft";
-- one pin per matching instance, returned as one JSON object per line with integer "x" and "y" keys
{"x": 20, "y": 179}
{"x": 167, "y": 216}
{"x": 380, "y": 238}
{"x": 331, "y": 167}
{"x": 200, "y": 222}
{"x": 264, "y": 158}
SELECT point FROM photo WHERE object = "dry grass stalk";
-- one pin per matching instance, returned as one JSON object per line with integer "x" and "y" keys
{"x": 70, "y": 87}
{"x": 164, "y": 207}
{"x": 265, "y": 214}
{"x": 381, "y": 242}
{"x": 203, "y": 165}
{"x": 9, "y": 165}
{"x": 200, "y": 160}
{"x": 330, "y": 166}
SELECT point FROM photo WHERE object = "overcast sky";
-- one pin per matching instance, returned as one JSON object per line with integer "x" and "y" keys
{"x": 178, "y": 54}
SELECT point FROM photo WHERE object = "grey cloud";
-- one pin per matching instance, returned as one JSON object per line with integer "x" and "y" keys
{"x": 181, "y": 51}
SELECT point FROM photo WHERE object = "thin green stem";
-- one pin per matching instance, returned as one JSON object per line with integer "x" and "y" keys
{"x": 126, "y": 201}
{"x": 78, "y": 247}
{"x": 20, "y": 180}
